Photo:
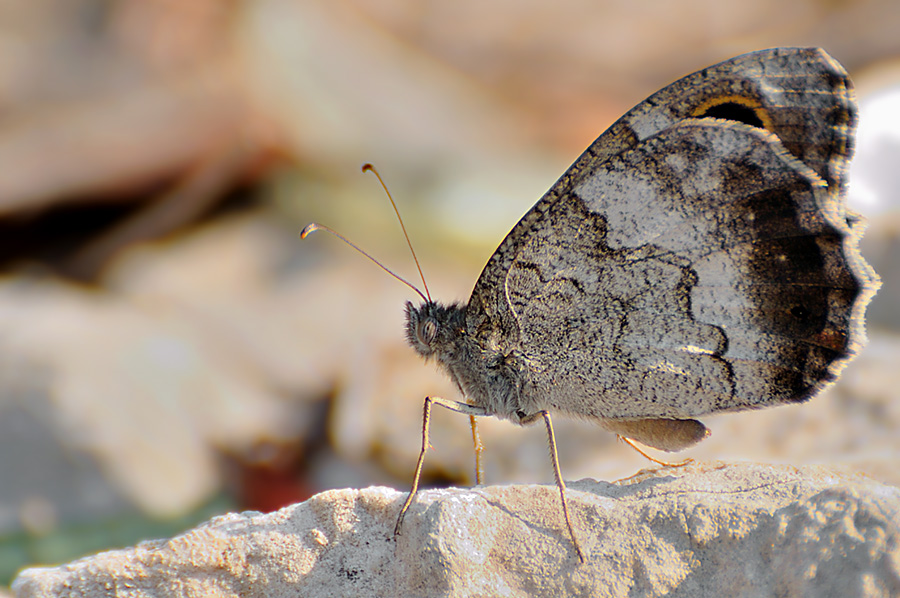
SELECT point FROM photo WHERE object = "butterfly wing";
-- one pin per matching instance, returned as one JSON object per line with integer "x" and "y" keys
{"x": 802, "y": 95}
{"x": 688, "y": 265}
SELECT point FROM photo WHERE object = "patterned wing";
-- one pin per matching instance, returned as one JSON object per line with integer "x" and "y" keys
{"x": 801, "y": 95}
{"x": 706, "y": 269}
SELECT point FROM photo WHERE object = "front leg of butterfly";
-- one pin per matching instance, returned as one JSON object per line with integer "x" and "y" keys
{"x": 465, "y": 408}
{"x": 474, "y": 411}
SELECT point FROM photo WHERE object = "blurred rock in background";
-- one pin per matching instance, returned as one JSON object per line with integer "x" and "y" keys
{"x": 169, "y": 349}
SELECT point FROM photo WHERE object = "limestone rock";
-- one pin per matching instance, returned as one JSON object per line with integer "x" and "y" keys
{"x": 708, "y": 529}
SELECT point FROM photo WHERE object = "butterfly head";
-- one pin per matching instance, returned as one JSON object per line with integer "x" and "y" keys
{"x": 432, "y": 329}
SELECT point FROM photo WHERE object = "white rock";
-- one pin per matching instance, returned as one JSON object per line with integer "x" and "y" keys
{"x": 710, "y": 529}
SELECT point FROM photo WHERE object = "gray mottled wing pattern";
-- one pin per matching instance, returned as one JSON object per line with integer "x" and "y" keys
{"x": 696, "y": 273}
{"x": 800, "y": 94}
{"x": 685, "y": 265}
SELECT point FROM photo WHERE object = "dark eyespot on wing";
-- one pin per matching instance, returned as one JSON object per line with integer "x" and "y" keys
{"x": 735, "y": 112}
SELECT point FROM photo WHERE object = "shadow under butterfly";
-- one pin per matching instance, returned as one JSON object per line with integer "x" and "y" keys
{"x": 697, "y": 258}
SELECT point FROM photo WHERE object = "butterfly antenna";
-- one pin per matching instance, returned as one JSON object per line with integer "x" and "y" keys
{"x": 369, "y": 168}
{"x": 314, "y": 226}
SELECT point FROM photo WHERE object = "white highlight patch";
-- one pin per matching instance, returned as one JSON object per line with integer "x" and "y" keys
{"x": 696, "y": 350}
{"x": 665, "y": 366}
{"x": 649, "y": 124}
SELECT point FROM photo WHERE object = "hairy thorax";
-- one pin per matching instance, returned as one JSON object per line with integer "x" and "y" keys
{"x": 488, "y": 378}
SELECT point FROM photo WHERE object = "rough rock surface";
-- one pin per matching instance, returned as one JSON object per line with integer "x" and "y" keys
{"x": 706, "y": 529}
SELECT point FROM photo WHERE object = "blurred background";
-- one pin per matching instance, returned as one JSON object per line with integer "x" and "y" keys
{"x": 169, "y": 348}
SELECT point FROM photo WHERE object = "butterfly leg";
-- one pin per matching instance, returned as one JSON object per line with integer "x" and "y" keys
{"x": 465, "y": 408}
{"x": 631, "y": 443}
{"x": 560, "y": 483}
{"x": 479, "y": 449}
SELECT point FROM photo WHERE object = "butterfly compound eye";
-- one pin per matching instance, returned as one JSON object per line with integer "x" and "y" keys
{"x": 428, "y": 331}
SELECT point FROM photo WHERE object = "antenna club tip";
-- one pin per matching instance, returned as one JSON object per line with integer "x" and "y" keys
{"x": 309, "y": 229}
{"x": 367, "y": 167}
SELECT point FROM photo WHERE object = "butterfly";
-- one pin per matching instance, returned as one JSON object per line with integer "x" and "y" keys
{"x": 697, "y": 258}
